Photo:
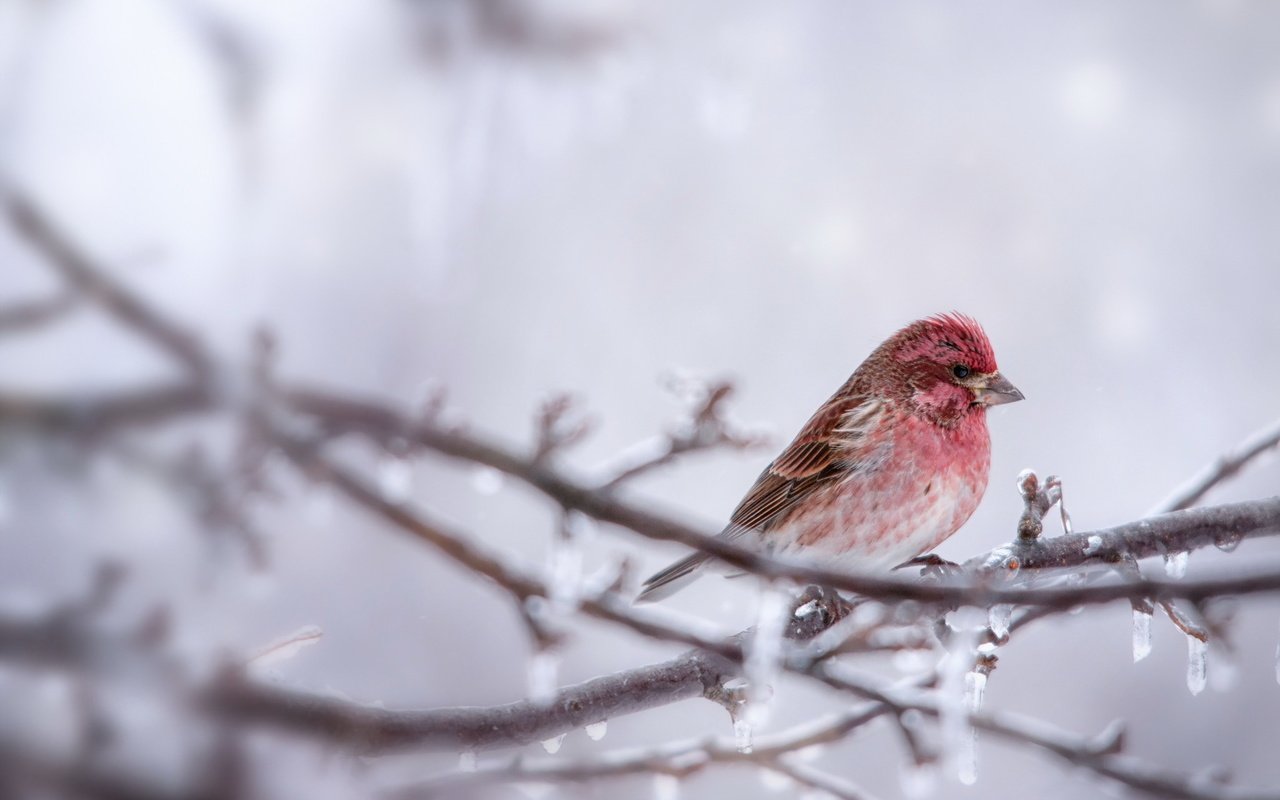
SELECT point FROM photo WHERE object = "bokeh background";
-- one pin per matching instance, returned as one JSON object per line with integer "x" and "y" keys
{"x": 510, "y": 200}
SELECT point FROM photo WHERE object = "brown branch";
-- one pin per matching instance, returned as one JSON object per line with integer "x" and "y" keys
{"x": 95, "y": 413}
{"x": 21, "y": 317}
{"x": 371, "y": 730}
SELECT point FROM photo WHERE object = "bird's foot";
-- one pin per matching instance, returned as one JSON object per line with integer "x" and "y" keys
{"x": 931, "y": 566}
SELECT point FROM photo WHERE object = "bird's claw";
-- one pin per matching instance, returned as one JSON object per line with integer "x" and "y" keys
{"x": 931, "y": 565}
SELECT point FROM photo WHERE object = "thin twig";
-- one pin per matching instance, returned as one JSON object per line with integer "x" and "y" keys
{"x": 1224, "y": 467}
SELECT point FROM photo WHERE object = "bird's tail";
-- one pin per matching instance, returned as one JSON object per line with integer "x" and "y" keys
{"x": 672, "y": 579}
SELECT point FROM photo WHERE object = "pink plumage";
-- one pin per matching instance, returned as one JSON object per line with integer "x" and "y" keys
{"x": 890, "y": 466}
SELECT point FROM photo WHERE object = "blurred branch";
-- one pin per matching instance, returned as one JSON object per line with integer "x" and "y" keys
{"x": 83, "y": 274}
{"x": 705, "y": 429}
{"x": 21, "y": 317}
{"x": 1226, "y": 466}
{"x": 96, "y": 413}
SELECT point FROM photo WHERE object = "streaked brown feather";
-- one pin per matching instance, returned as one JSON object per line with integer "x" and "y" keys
{"x": 830, "y": 447}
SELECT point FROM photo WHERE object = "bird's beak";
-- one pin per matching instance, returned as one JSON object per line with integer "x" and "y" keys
{"x": 995, "y": 391}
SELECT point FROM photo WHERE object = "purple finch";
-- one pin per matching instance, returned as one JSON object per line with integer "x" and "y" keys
{"x": 889, "y": 467}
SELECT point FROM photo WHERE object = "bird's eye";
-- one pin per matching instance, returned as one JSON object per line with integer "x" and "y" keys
{"x": 960, "y": 371}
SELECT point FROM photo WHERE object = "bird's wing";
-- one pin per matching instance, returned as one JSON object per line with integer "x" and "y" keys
{"x": 834, "y": 443}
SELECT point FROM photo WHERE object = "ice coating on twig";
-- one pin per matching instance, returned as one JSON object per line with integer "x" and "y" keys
{"x": 1141, "y": 634}
{"x": 467, "y": 761}
{"x": 1093, "y": 545}
{"x": 597, "y": 730}
{"x": 287, "y": 646}
{"x": 1197, "y": 664}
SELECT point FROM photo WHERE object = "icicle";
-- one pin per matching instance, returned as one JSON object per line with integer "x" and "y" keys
{"x": 5, "y": 508}
{"x": 1225, "y": 673}
{"x": 467, "y": 761}
{"x": 1278, "y": 662}
{"x": 775, "y": 781}
{"x": 597, "y": 730}
{"x": 1141, "y": 634}
{"x": 666, "y": 787}
{"x": 742, "y": 734}
{"x": 961, "y": 688}
{"x": 764, "y": 654}
{"x": 395, "y": 479}
{"x": 975, "y": 689}
{"x": 998, "y": 620}
{"x": 919, "y": 781}
{"x": 1197, "y": 655}
{"x": 566, "y": 566}
{"x": 486, "y": 480}
{"x": 1175, "y": 564}
{"x": 552, "y": 745}
{"x": 543, "y": 667}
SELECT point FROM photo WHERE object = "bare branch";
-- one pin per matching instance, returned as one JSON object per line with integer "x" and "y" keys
{"x": 25, "y": 316}
{"x": 1221, "y": 469}
{"x": 705, "y": 429}
{"x": 80, "y": 271}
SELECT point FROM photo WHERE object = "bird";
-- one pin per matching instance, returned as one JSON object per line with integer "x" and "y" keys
{"x": 886, "y": 469}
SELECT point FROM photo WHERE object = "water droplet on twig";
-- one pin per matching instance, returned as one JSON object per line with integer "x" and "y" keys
{"x": 486, "y": 480}
{"x": 552, "y": 745}
{"x": 597, "y": 730}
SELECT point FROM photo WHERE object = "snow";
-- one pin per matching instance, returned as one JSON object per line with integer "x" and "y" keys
{"x": 1092, "y": 545}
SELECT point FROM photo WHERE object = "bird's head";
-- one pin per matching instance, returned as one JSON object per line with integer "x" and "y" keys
{"x": 947, "y": 368}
